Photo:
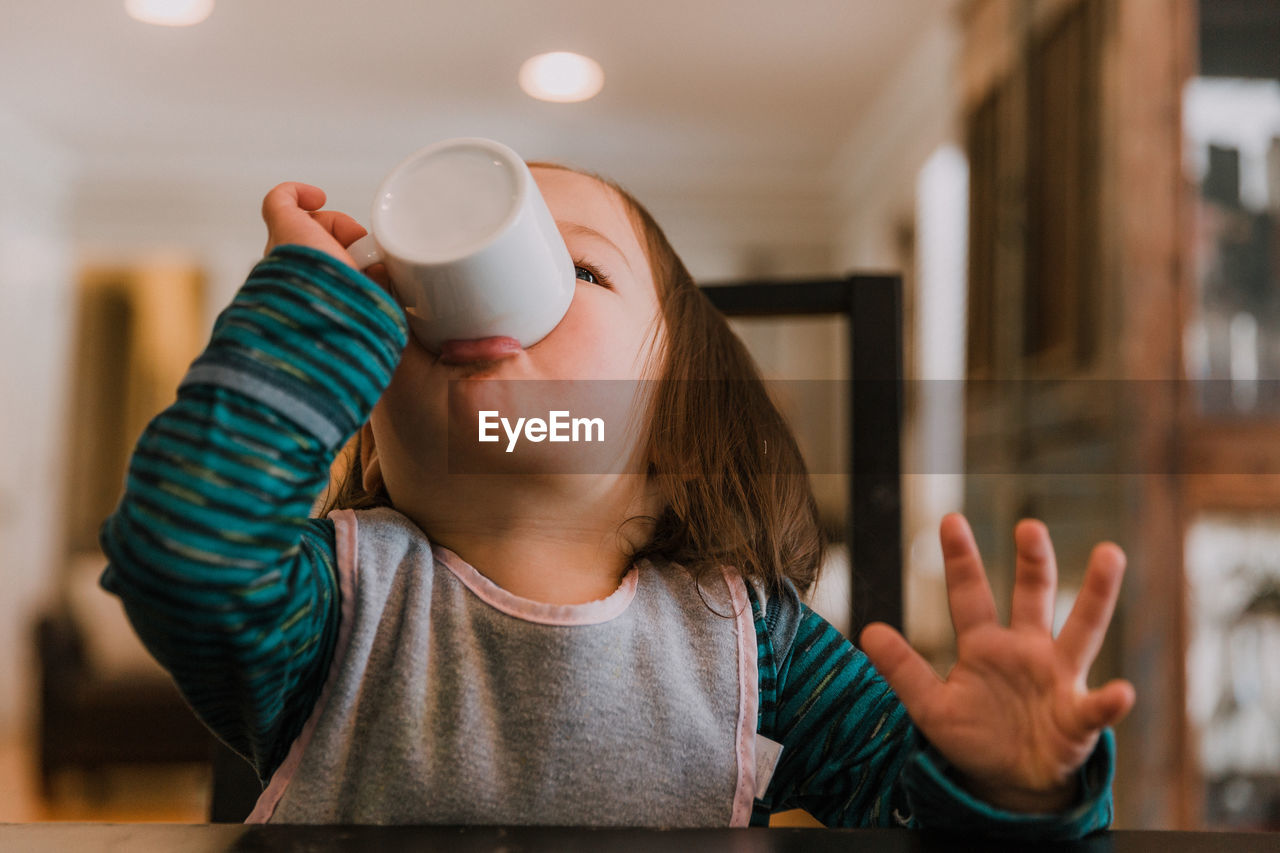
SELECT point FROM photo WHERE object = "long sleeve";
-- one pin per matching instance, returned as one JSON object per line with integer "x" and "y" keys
{"x": 852, "y": 757}
{"x": 228, "y": 582}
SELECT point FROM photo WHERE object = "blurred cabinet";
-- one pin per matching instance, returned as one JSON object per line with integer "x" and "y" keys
{"x": 103, "y": 700}
{"x": 138, "y": 328}
{"x": 1077, "y": 261}
{"x": 1231, "y": 416}
{"x": 1124, "y": 359}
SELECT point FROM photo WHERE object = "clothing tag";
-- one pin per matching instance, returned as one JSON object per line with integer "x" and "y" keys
{"x": 767, "y": 752}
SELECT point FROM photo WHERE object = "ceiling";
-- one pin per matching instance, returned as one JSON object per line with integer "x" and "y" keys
{"x": 699, "y": 94}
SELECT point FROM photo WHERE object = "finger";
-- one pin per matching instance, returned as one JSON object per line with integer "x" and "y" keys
{"x": 343, "y": 228}
{"x": 1107, "y": 705}
{"x": 1035, "y": 577}
{"x": 1082, "y": 635}
{"x": 286, "y": 208}
{"x": 286, "y": 199}
{"x": 907, "y": 673}
{"x": 968, "y": 592}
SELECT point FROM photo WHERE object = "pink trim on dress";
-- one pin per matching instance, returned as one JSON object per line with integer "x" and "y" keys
{"x": 748, "y": 697}
{"x": 590, "y": 613}
{"x": 345, "y": 530}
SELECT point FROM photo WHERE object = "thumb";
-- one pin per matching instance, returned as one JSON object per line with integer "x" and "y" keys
{"x": 1107, "y": 705}
{"x": 288, "y": 201}
{"x": 288, "y": 209}
{"x": 907, "y": 672}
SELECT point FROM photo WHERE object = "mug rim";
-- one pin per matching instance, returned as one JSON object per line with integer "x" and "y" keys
{"x": 522, "y": 174}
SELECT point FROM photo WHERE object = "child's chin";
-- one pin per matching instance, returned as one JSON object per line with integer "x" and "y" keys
{"x": 472, "y": 369}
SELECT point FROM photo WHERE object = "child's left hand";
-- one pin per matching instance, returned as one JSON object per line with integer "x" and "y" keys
{"x": 1014, "y": 715}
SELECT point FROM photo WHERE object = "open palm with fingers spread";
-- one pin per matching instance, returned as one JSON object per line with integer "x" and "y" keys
{"x": 1014, "y": 716}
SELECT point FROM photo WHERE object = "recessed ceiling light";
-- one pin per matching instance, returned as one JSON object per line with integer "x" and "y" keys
{"x": 169, "y": 13}
{"x": 561, "y": 76}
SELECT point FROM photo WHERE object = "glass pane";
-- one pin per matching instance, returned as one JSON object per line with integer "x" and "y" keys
{"x": 1233, "y": 152}
{"x": 1233, "y": 678}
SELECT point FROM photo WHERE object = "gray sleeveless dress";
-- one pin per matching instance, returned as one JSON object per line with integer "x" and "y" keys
{"x": 452, "y": 701}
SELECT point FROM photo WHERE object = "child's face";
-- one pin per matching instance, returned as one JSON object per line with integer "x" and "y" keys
{"x": 604, "y": 336}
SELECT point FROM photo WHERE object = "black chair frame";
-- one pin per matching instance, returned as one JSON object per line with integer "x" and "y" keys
{"x": 872, "y": 305}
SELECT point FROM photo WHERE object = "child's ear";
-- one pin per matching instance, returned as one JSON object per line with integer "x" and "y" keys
{"x": 370, "y": 468}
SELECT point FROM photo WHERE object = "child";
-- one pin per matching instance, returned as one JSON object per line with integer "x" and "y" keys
{"x": 507, "y": 639}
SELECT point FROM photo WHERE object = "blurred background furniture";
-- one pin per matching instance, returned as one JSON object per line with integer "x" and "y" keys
{"x": 1123, "y": 351}
{"x": 102, "y": 700}
{"x": 872, "y": 308}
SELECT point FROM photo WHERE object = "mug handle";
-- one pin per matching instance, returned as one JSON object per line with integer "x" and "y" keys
{"x": 365, "y": 252}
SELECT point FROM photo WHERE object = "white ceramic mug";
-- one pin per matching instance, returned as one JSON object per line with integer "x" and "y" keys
{"x": 469, "y": 245}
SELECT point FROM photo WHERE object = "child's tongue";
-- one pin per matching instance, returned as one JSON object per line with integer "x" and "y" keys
{"x": 479, "y": 349}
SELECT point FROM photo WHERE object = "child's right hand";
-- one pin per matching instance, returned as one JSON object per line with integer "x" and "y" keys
{"x": 1014, "y": 716}
{"x": 293, "y": 215}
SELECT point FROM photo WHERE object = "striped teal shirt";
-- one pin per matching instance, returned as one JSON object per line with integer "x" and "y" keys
{"x": 232, "y": 586}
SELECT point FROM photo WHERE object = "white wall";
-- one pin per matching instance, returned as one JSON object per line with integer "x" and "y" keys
{"x": 874, "y": 176}
{"x": 934, "y": 454}
{"x": 36, "y": 314}
{"x": 211, "y": 221}
{"x": 734, "y": 235}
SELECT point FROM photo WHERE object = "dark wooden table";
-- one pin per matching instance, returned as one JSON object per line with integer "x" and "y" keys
{"x": 217, "y": 838}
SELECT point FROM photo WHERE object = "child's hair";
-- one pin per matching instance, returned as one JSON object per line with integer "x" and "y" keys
{"x": 734, "y": 487}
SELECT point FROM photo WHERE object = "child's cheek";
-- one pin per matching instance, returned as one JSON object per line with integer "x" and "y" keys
{"x": 413, "y": 407}
{"x": 595, "y": 340}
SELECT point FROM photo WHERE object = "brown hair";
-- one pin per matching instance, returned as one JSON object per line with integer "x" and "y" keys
{"x": 733, "y": 484}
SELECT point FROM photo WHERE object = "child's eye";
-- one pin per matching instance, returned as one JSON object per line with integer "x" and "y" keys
{"x": 590, "y": 276}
